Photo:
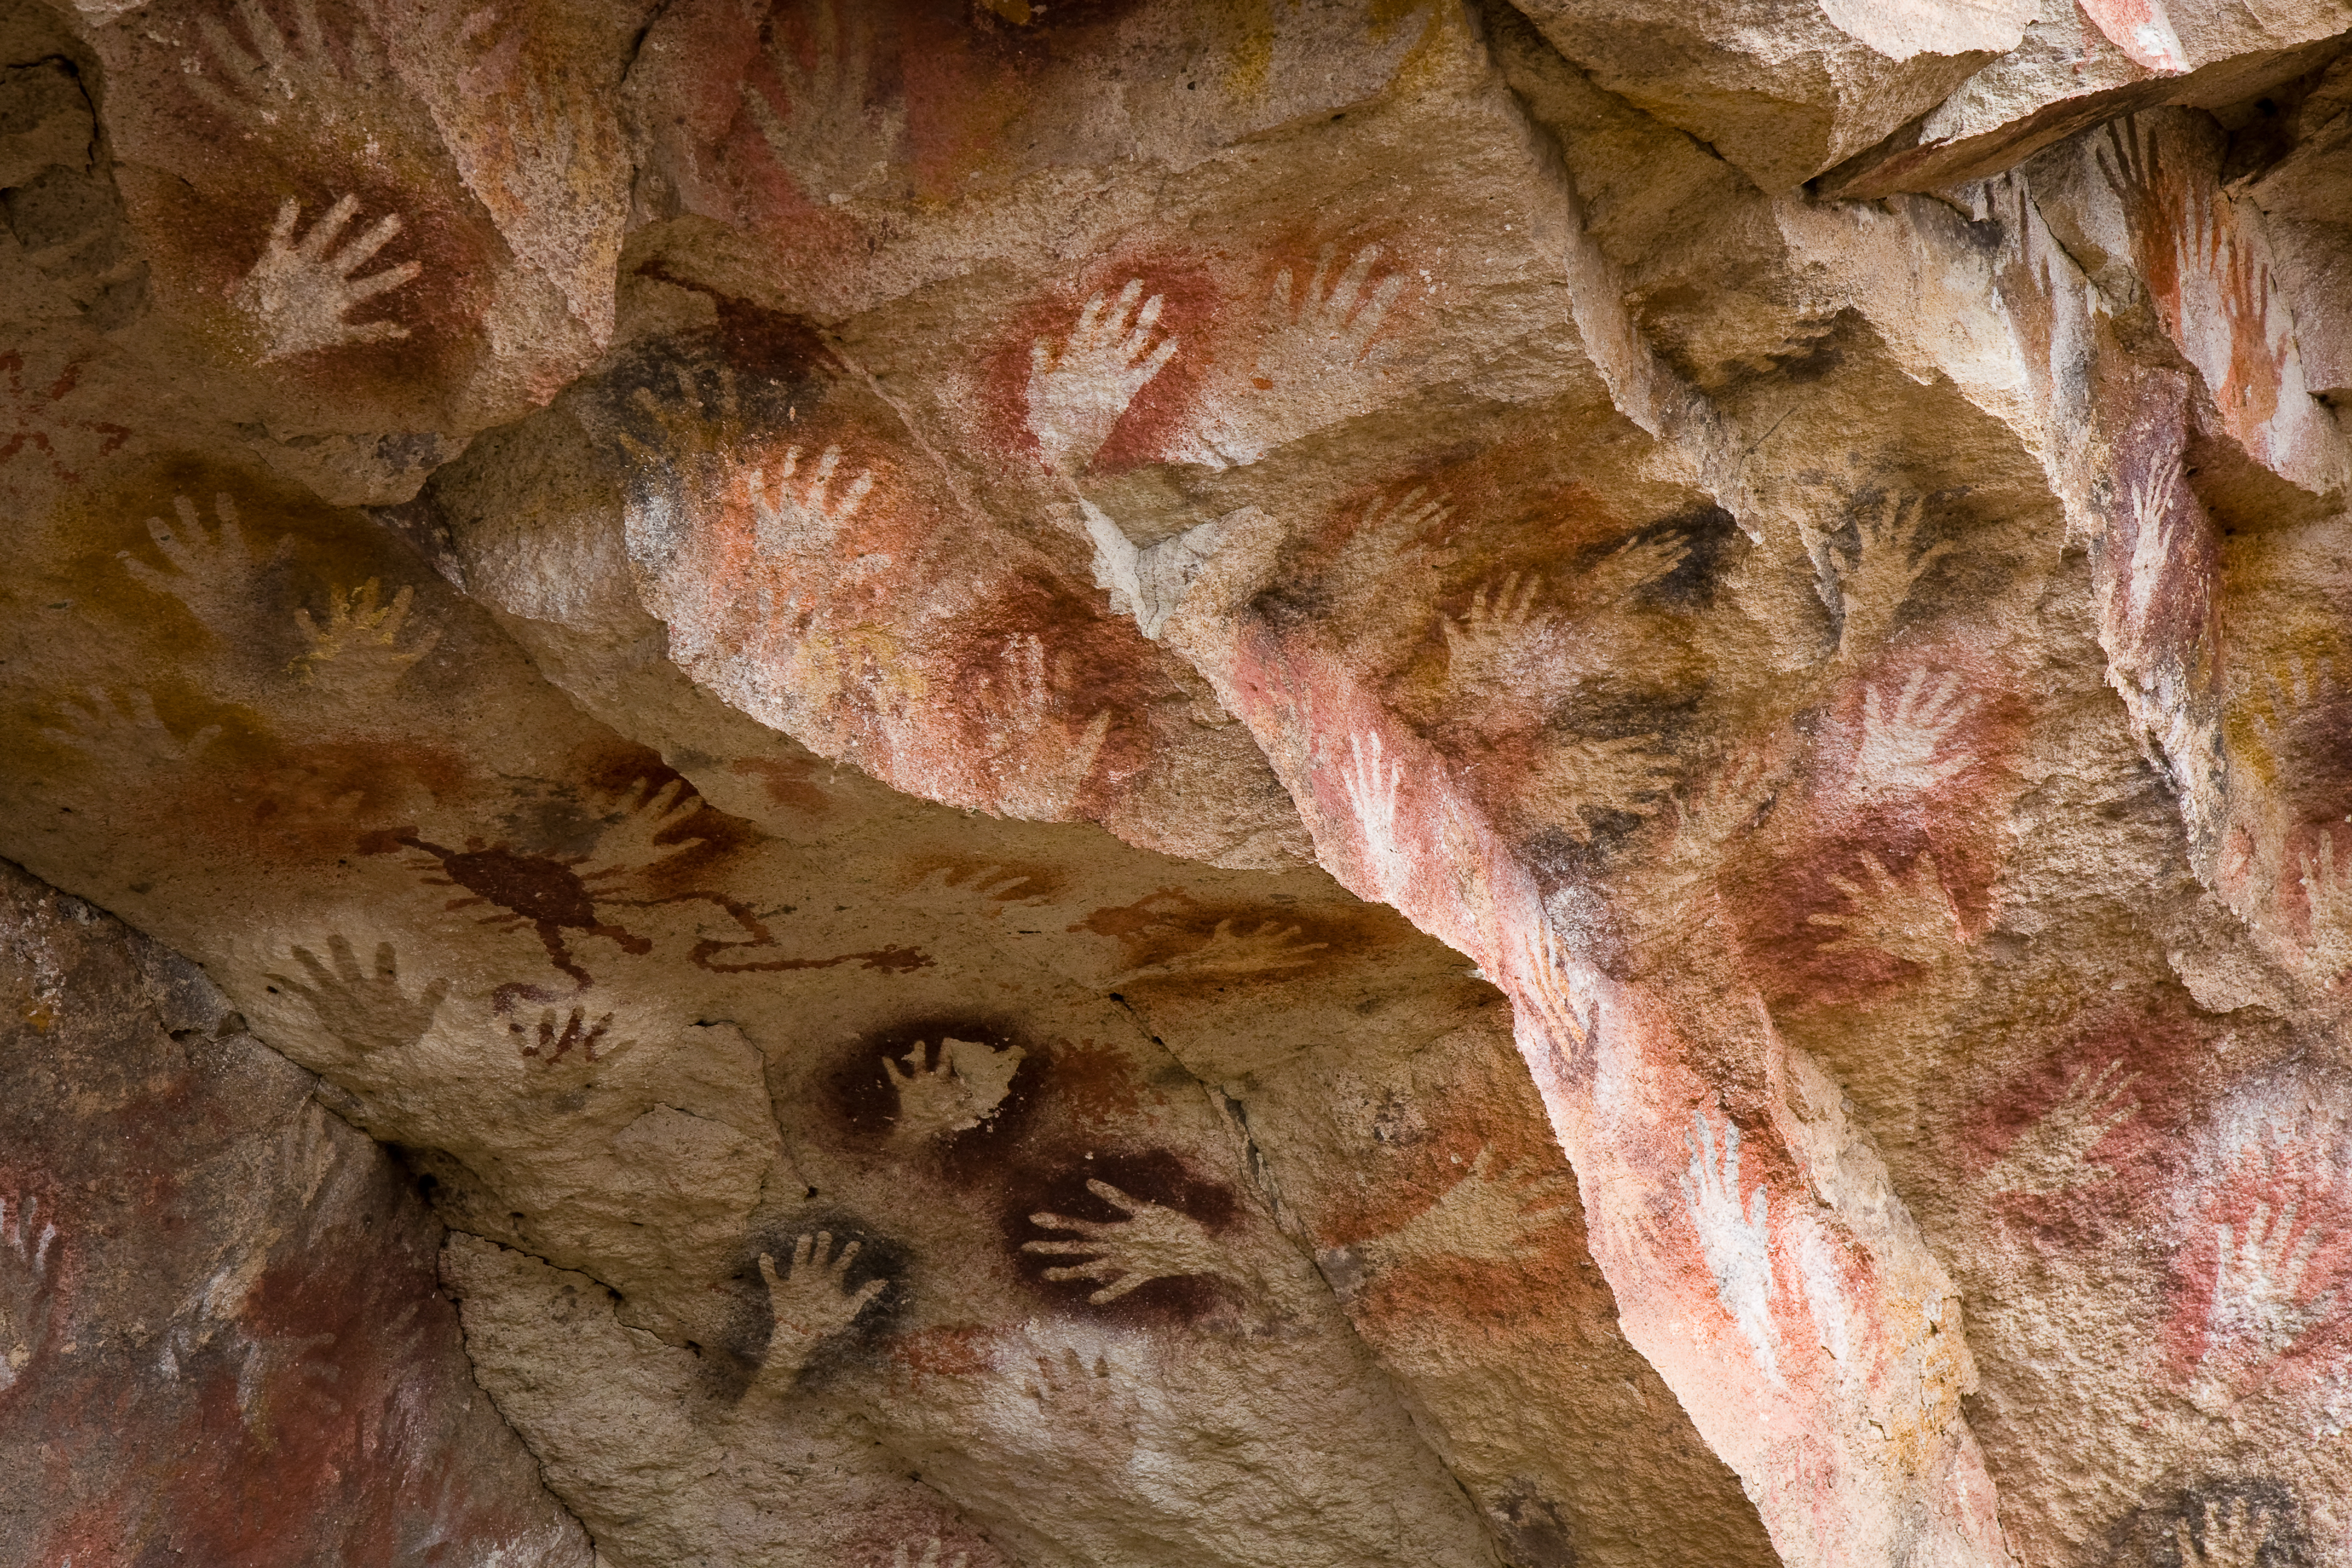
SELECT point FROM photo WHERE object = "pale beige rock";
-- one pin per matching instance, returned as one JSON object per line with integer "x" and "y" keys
{"x": 1784, "y": 88}
{"x": 1125, "y": 785}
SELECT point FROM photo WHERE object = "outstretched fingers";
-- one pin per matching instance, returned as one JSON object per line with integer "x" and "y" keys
{"x": 1118, "y": 1288}
{"x": 314, "y": 245}
{"x": 1049, "y": 1221}
{"x": 265, "y": 35}
{"x": 1158, "y": 360}
{"x": 1348, "y": 292}
{"x": 1375, "y": 309}
{"x": 317, "y": 973}
{"x": 1139, "y": 332}
{"x": 1113, "y": 1197}
{"x": 372, "y": 238}
{"x": 1090, "y": 332}
{"x": 384, "y": 282}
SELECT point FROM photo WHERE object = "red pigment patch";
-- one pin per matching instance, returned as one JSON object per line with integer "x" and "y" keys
{"x": 1449, "y": 1297}
{"x": 1162, "y": 410}
{"x": 38, "y": 1253}
{"x": 999, "y": 881}
{"x": 973, "y": 72}
{"x": 786, "y": 781}
{"x": 1031, "y": 628}
{"x": 712, "y": 56}
{"x": 964, "y": 1352}
{"x": 305, "y": 803}
{"x": 2261, "y": 1286}
{"x": 2316, "y": 775}
{"x": 1914, "y": 762}
{"x": 910, "y": 1531}
{"x": 1126, "y": 922}
{"x": 30, "y": 428}
{"x": 2156, "y": 1066}
{"x": 306, "y": 1438}
{"x": 1793, "y": 961}
{"x": 1095, "y": 1086}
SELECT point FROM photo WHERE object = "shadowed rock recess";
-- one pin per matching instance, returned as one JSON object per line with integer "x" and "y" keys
{"x": 1175, "y": 783}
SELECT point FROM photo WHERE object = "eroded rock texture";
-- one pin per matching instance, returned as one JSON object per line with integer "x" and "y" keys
{"x": 221, "y": 1334}
{"x": 1135, "y": 782}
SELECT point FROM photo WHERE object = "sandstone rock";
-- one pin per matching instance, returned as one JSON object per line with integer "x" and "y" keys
{"x": 1126, "y": 784}
{"x": 220, "y": 1335}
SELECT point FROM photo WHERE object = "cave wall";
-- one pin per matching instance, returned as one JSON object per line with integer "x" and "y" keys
{"x": 223, "y": 1337}
{"x": 1136, "y": 783}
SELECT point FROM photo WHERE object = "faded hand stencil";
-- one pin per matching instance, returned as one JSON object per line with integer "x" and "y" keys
{"x": 211, "y": 568}
{"x": 2327, "y": 910}
{"x": 2230, "y": 1537}
{"x": 285, "y": 72}
{"x": 1079, "y": 387}
{"x": 1268, "y": 948}
{"x": 1313, "y": 361}
{"x": 30, "y": 1255}
{"x": 367, "y": 1012}
{"x": 358, "y": 653}
{"x": 804, "y": 517}
{"x": 808, "y": 1301}
{"x": 552, "y": 155}
{"x": 1863, "y": 584}
{"x": 963, "y": 1089}
{"x": 1718, "y": 808}
{"x": 984, "y": 890}
{"x": 2053, "y": 1155}
{"x": 299, "y": 293}
{"x": 1492, "y": 639}
{"x": 831, "y": 136}
{"x": 1495, "y": 1214}
{"x": 1392, "y": 528}
{"x": 109, "y": 728}
{"x": 2207, "y": 271}
{"x": 2294, "y": 691}
{"x": 1638, "y": 564}
{"x": 1736, "y": 1240}
{"x": 1073, "y": 1392}
{"x": 1035, "y": 765}
{"x": 930, "y": 1558}
{"x": 1150, "y": 1242}
{"x": 1579, "y": 781}
{"x": 1910, "y": 917}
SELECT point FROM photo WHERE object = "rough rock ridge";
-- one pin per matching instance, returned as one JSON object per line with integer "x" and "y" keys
{"x": 1134, "y": 783}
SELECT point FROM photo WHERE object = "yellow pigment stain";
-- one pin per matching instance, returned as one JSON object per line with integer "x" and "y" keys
{"x": 1253, "y": 56}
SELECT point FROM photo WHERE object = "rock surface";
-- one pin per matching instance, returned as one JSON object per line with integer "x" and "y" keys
{"x": 221, "y": 1338}
{"x": 1127, "y": 782}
